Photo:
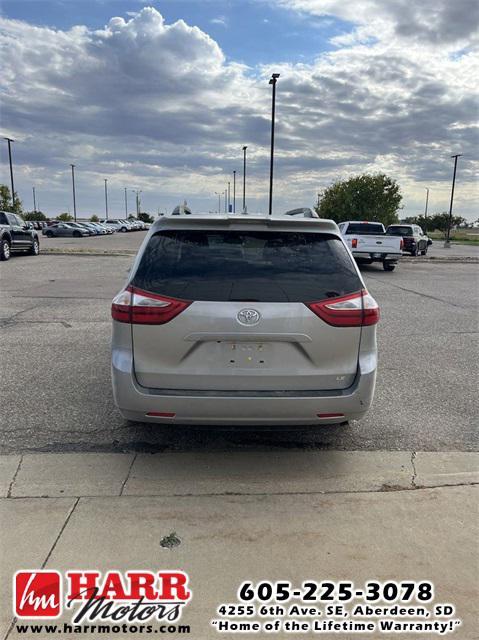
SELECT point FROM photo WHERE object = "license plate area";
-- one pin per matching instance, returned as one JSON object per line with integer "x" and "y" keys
{"x": 246, "y": 355}
{"x": 377, "y": 255}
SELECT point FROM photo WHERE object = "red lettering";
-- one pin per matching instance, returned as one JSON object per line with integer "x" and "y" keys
{"x": 142, "y": 586}
{"x": 81, "y": 584}
{"x": 173, "y": 586}
{"x": 113, "y": 587}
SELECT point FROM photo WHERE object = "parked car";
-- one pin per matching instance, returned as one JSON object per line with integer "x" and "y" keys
{"x": 103, "y": 228}
{"x": 117, "y": 225}
{"x": 136, "y": 225}
{"x": 65, "y": 230}
{"x": 368, "y": 243}
{"x": 258, "y": 321}
{"x": 415, "y": 240}
{"x": 86, "y": 225}
{"x": 17, "y": 235}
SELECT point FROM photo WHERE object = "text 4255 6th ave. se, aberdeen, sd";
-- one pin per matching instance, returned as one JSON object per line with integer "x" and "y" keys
{"x": 328, "y": 606}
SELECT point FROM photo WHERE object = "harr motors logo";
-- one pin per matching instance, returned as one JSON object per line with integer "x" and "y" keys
{"x": 37, "y": 594}
{"x": 130, "y": 596}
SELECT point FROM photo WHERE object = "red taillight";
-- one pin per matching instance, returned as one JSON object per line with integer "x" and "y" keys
{"x": 401, "y": 245}
{"x": 354, "y": 310}
{"x": 136, "y": 306}
{"x": 354, "y": 243}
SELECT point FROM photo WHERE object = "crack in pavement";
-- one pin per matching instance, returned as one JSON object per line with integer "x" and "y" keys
{"x": 414, "y": 470}
{"x": 12, "y": 318}
{"x": 52, "y": 548}
{"x": 128, "y": 474}
{"x": 384, "y": 488}
{"x": 420, "y": 293}
{"x": 13, "y": 322}
{"x": 10, "y": 488}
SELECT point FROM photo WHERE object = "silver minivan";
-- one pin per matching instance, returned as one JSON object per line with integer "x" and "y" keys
{"x": 244, "y": 320}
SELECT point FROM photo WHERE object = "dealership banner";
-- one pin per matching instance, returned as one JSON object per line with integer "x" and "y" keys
{"x": 132, "y": 603}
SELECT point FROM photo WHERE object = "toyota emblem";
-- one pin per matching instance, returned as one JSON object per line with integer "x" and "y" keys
{"x": 249, "y": 316}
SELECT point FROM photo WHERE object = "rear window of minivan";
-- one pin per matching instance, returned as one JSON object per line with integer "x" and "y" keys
{"x": 254, "y": 266}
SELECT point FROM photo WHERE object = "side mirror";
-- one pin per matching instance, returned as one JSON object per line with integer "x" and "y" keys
{"x": 429, "y": 242}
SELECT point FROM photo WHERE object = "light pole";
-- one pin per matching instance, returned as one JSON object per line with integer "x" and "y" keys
{"x": 137, "y": 191}
{"x": 9, "y": 142}
{"x": 244, "y": 179}
{"x": 447, "y": 243}
{"x": 273, "y": 81}
{"x": 425, "y": 210}
{"x": 126, "y": 204}
{"x": 226, "y": 201}
{"x": 34, "y": 200}
{"x": 219, "y": 201}
{"x": 74, "y": 195}
{"x": 234, "y": 191}
{"x": 229, "y": 196}
{"x": 106, "y": 197}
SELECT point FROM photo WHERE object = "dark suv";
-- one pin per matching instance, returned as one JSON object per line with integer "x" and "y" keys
{"x": 415, "y": 240}
{"x": 16, "y": 235}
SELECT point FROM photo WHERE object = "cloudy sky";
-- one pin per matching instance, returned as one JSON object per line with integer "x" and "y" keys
{"x": 162, "y": 96}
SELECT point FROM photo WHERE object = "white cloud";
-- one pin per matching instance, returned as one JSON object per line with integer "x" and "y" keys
{"x": 221, "y": 20}
{"x": 157, "y": 106}
{"x": 440, "y": 22}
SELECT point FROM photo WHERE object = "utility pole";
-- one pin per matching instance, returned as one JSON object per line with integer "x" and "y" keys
{"x": 425, "y": 210}
{"x": 234, "y": 191}
{"x": 447, "y": 243}
{"x": 106, "y": 197}
{"x": 219, "y": 201}
{"x": 244, "y": 179}
{"x": 126, "y": 204}
{"x": 273, "y": 81}
{"x": 137, "y": 192}
{"x": 34, "y": 200}
{"x": 229, "y": 197}
{"x": 74, "y": 195}
{"x": 226, "y": 201}
{"x": 9, "y": 142}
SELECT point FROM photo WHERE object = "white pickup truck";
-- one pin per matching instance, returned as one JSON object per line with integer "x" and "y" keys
{"x": 369, "y": 243}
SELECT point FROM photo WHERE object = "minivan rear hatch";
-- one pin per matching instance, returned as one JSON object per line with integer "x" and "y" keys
{"x": 245, "y": 324}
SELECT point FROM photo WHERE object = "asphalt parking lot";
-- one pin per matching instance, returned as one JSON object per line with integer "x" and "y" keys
{"x": 55, "y": 334}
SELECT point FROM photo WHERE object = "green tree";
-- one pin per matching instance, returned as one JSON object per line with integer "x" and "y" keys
{"x": 435, "y": 222}
{"x": 6, "y": 200}
{"x": 65, "y": 217}
{"x": 94, "y": 218}
{"x": 34, "y": 215}
{"x": 145, "y": 217}
{"x": 440, "y": 221}
{"x": 364, "y": 197}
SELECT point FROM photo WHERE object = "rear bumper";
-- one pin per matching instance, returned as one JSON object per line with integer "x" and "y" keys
{"x": 380, "y": 257}
{"x": 245, "y": 408}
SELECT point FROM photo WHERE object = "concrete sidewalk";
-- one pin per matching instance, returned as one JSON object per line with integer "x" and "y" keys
{"x": 283, "y": 515}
